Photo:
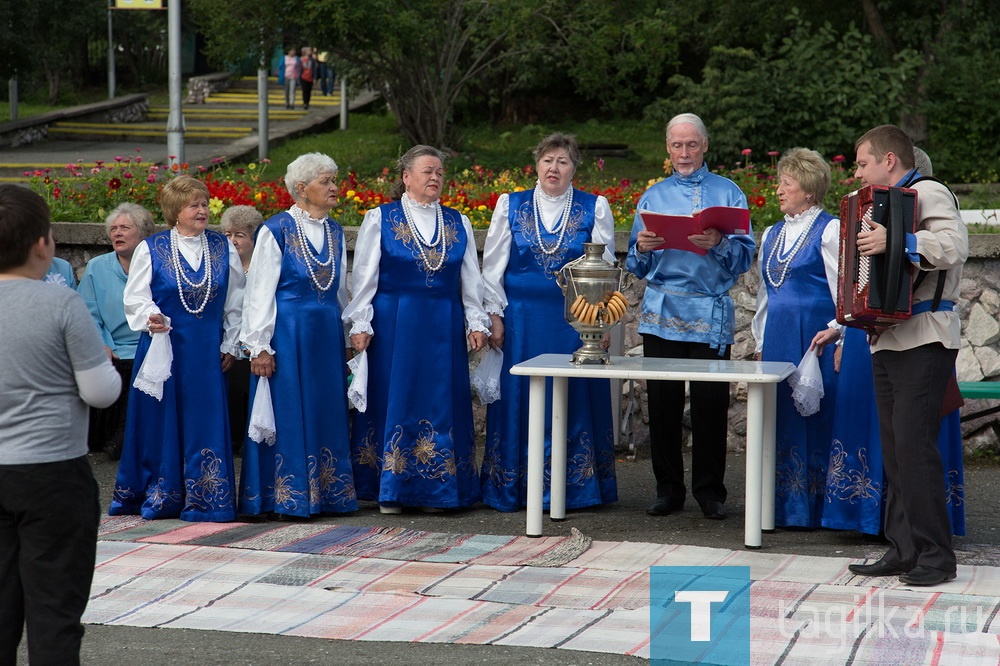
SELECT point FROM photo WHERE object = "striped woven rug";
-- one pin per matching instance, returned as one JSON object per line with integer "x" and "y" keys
{"x": 393, "y": 584}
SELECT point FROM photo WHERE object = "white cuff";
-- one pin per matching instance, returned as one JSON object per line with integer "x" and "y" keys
{"x": 255, "y": 351}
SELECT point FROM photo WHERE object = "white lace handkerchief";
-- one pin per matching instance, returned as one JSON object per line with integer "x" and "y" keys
{"x": 155, "y": 368}
{"x": 262, "y": 429}
{"x": 357, "y": 392}
{"x": 807, "y": 384}
{"x": 486, "y": 377}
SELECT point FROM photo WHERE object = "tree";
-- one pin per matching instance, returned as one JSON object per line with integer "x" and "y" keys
{"x": 422, "y": 56}
{"x": 254, "y": 31}
{"x": 615, "y": 53}
{"x": 814, "y": 88}
{"x": 42, "y": 38}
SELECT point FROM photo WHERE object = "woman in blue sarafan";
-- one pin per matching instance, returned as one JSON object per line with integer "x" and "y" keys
{"x": 797, "y": 297}
{"x": 293, "y": 334}
{"x": 855, "y": 482}
{"x": 417, "y": 289}
{"x": 533, "y": 234}
{"x": 186, "y": 285}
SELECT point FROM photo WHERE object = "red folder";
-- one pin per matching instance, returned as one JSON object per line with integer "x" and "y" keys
{"x": 675, "y": 229}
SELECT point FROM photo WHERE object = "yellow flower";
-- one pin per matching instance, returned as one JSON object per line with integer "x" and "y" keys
{"x": 350, "y": 194}
{"x": 215, "y": 206}
{"x": 519, "y": 189}
{"x": 252, "y": 166}
{"x": 481, "y": 207}
{"x": 357, "y": 199}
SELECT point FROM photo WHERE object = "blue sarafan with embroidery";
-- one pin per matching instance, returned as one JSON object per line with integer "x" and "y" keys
{"x": 699, "y": 615}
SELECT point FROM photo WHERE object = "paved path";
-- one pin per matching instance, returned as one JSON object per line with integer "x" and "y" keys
{"x": 622, "y": 522}
{"x": 224, "y": 127}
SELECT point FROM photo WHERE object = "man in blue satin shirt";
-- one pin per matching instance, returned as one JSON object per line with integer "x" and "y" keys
{"x": 687, "y": 313}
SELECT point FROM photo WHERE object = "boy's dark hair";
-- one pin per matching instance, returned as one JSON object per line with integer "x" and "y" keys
{"x": 24, "y": 218}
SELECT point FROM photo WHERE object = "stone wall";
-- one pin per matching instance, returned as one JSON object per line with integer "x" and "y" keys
{"x": 978, "y": 308}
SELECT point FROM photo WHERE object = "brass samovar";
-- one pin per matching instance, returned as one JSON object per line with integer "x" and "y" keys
{"x": 594, "y": 302}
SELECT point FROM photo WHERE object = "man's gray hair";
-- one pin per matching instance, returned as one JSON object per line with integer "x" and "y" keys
{"x": 690, "y": 118}
{"x": 922, "y": 162}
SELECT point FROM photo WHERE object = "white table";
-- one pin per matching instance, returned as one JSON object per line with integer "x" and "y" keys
{"x": 761, "y": 379}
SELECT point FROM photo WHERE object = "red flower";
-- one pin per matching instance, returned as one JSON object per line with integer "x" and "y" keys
{"x": 114, "y": 184}
{"x": 760, "y": 202}
{"x": 57, "y": 193}
{"x": 837, "y": 159}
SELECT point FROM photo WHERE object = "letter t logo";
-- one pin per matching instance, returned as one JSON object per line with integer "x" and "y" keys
{"x": 701, "y": 610}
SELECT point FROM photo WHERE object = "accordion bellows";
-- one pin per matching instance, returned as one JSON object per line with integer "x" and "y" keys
{"x": 876, "y": 290}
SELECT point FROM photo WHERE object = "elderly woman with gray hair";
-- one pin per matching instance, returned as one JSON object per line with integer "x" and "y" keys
{"x": 533, "y": 234}
{"x": 417, "y": 291}
{"x": 293, "y": 333}
{"x": 102, "y": 288}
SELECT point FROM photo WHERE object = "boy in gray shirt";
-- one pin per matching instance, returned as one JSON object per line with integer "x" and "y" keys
{"x": 54, "y": 366}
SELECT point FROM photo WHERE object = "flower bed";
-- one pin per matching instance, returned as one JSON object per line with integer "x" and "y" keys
{"x": 88, "y": 192}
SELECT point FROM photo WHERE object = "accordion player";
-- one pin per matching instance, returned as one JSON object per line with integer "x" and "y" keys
{"x": 877, "y": 290}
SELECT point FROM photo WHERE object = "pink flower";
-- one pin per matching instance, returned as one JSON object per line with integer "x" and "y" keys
{"x": 773, "y": 153}
{"x": 600, "y": 164}
{"x": 95, "y": 171}
{"x": 119, "y": 158}
{"x": 126, "y": 174}
{"x": 837, "y": 159}
{"x": 746, "y": 151}
{"x": 151, "y": 178}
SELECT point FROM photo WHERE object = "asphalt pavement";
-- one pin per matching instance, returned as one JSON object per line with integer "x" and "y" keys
{"x": 625, "y": 520}
{"x": 229, "y": 113}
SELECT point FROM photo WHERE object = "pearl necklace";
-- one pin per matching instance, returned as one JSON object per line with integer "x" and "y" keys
{"x": 421, "y": 243}
{"x": 561, "y": 225}
{"x": 783, "y": 264}
{"x": 206, "y": 279}
{"x": 308, "y": 257}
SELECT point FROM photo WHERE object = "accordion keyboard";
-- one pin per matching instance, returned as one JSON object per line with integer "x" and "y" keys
{"x": 864, "y": 261}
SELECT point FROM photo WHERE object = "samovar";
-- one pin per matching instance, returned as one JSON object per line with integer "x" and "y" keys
{"x": 594, "y": 302}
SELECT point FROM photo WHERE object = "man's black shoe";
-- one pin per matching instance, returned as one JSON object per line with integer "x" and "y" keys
{"x": 663, "y": 507}
{"x": 880, "y": 568}
{"x": 921, "y": 575}
{"x": 713, "y": 510}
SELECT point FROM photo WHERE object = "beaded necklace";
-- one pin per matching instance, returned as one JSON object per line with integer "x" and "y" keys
{"x": 776, "y": 274}
{"x": 206, "y": 279}
{"x": 561, "y": 225}
{"x": 309, "y": 258}
{"x": 439, "y": 245}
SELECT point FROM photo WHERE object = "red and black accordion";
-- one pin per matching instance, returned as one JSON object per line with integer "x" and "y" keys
{"x": 876, "y": 290}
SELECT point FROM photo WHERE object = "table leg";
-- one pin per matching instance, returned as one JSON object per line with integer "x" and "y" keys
{"x": 557, "y": 487}
{"x": 755, "y": 452}
{"x": 536, "y": 455}
{"x": 767, "y": 481}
